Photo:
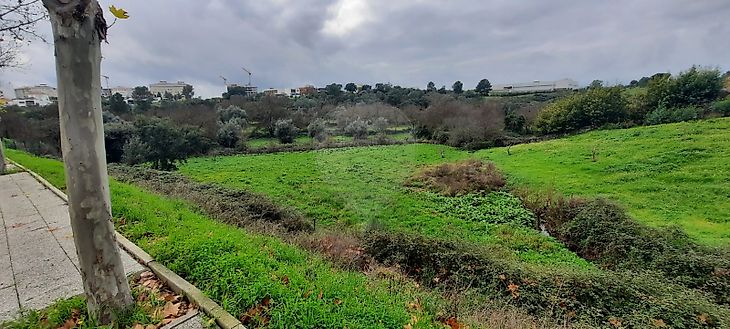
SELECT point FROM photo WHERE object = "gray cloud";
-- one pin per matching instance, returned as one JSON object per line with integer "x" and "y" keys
{"x": 290, "y": 43}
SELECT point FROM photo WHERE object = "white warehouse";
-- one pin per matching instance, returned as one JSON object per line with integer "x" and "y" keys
{"x": 536, "y": 86}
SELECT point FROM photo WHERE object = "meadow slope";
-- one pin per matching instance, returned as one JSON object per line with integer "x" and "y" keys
{"x": 673, "y": 174}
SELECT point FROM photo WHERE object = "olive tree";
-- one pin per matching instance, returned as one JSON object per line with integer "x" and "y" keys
{"x": 78, "y": 29}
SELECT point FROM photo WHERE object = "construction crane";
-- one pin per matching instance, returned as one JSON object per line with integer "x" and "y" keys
{"x": 107, "y": 81}
{"x": 249, "y": 75}
{"x": 225, "y": 81}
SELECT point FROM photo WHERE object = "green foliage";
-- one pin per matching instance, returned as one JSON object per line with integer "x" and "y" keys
{"x": 483, "y": 87}
{"x": 430, "y": 86}
{"x": 188, "y": 92}
{"x": 230, "y": 132}
{"x": 116, "y": 136}
{"x": 142, "y": 98}
{"x": 117, "y": 104}
{"x": 669, "y": 115}
{"x": 457, "y": 87}
{"x": 160, "y": 142}
{"x": 696, "y": 86}
{"x": 492, "y": 208}
{"x": 722, "y": 107}
{"x": 594, "y": 298}
{"x": 285, "y": 131}
{"x": 351, "y": 87}
{"x": 593, "y": 108}
{"x": 225, "y": 114}
{"x": 672, "y": 174}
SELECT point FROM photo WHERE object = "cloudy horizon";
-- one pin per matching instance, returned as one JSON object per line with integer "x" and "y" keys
{"x": 409, "y": 43}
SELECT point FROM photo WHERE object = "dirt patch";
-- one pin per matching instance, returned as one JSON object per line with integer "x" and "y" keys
{"x": 459, "y": 178}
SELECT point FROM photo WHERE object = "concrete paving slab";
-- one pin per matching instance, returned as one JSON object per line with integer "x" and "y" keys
{"x": 38, "y": 261}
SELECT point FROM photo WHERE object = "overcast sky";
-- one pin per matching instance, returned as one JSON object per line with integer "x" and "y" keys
{"x": 292, "y": 43}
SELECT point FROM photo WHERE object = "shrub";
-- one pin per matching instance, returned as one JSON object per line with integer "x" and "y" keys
{"x": 358, "y": 129}
{"x": 595, "y": 298}
{"x": 317, "y": 129}
{"x": 669, "y": 115}
{"x": 593, "y": 108}
{"x": 160, "y": 142}
{"x": 722, "y": 107}
{"x": 116, "y": 136}
{"x": 492, "y": 208}
{"x": 135, "y": 151}
{"x": 460, "y": 178}
{"x": 231, "y": 112}
{"x": 285, "y": 131}
{"x": 380, "y": 125}
{"x": 696, "y": 86}
{"x": 229, "y": 133}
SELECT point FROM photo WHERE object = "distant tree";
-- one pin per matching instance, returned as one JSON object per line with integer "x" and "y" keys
{"x": 230, "y": 132}
{"x": 366, "y": 87}
{"x": 380, "y": 125}
{"x": 382, "y": 87}
{"x": 358, "y": 129}
{"x": 142, "y": 98}
{"x": 593, "y": 108}
{"x": 117, "y": 104}
{"x": 167, "y": 95}
{"x": 696, "y": 86}
{"x": 596, "y": 84}
{"x": 351, "y": 87}
{"x": 285, "y": 131}
{"x": 457, "y": 87}
{"x": 317, "y": 129}
{"x": 333, "y": 90}
{"x": 483, "y": 87}
{"x": 226, "y": 114}
{"x": 633, "y": 83}
{"x": 431, "y": 86}
{"x": 442, "y": 90}
{"x": 17, "y": 25}
{"x": 188, "y": 92}
{"x": 267, "y": 110}
{"x": 163, "y": 144}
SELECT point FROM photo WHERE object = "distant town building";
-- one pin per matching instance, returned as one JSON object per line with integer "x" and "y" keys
{"x": 536, "y": 86}
{"x": 126, "y": 92}
{"x": 39, "y": 95}
{"x": 32, "y": 91}
{"x": 307, "y": 90}
{"x": 162, "y": 87}
{"x": 235, "y": 89}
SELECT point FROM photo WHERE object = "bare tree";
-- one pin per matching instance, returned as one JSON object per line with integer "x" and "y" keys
{"x": 78, "y": 29}
{"x": 18, "y": 19}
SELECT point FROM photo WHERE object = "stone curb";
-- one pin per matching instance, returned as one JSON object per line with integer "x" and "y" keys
{"x": 224, "y": 319}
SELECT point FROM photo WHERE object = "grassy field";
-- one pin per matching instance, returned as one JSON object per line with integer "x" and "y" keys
{"x": 241, "y": 270}
{"x": 255, "y": 143}
{"x": 355, "y": 187}
{"x": 668, "y": 174}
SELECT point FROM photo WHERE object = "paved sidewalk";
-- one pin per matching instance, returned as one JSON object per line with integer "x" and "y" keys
{"x": 38, "y": 262}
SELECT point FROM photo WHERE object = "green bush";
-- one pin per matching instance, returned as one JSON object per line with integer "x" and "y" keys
{"x": 492, "y": 208}
{"x": 593, "y": 108}
{"x": 722, "y": 107}
{"x": 595, "y": 298}
{"x": 669, "y": 115}
{"x": 602, "y": 232}
{"x": 285, "y": 131}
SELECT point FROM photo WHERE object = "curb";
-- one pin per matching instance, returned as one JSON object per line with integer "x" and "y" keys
{"x": 224, "y": 319}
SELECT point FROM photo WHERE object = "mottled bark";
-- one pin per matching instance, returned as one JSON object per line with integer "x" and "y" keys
{"x": 77, "y": 33}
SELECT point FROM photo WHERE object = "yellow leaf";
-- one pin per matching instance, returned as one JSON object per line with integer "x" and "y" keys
{"x": 118, "y": 12}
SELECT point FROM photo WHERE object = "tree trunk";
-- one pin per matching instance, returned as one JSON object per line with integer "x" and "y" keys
{"x": 2, "y": 157}
{"x": 78, "y": 27}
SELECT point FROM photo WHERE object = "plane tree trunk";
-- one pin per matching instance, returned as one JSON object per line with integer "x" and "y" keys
{"x": 78, "y": 29}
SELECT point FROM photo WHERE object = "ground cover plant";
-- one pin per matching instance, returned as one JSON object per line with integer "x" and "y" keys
{"x": 674, "y": 174}
{"x": 356, "y": 187}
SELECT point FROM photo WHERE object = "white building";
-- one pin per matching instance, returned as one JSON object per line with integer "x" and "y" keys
{"x": 39, "y": 95}
{"x": 126, "y": 92}
{"x": 536, "y": 86}
{"x": 162, "y": 87}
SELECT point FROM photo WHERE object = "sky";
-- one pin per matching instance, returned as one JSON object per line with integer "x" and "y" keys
{"x": 291, "y": 43}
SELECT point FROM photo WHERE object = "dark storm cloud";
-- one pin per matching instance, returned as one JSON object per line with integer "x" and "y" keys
{"x": 290, "y": 43}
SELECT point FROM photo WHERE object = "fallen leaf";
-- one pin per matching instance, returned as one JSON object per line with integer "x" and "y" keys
{"x": 70, "y": 323}
{"x": 659, "y": 323}
{"x": 615, "y": 322}
{"x": 453, "y": 323}
{"x": 338, "y": 301}
{"x": 502, "y": 277}
{"x": 321, "y": 293}
{"x": 170, "y": 309}
{"x": 307, "y": 293}
{"x": 138, "y": 326}
{"x": 703, "y": 318}
{"x": 150, "y": 326}
{"x": 285, "y": 280}
{"x": 407, "y": 326}
{"x": 514, "y": 290}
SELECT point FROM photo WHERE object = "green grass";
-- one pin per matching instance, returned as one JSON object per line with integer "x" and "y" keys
{"x": 46, "y": 167}
{"x": 239, "y": 270}
{"x": 668, "y": 174}
{"x": 357, "y": 186}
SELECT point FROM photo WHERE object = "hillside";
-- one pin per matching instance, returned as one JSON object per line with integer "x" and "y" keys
{"x": 667, "y": 174}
